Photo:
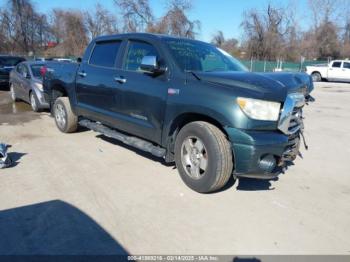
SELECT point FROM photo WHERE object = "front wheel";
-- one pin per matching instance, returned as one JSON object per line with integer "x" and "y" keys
{"x": 66, "y": 120}
{"x": 13, "y": 94}
{"x": 34, "y": 103}
{"x": 203, "y": 157}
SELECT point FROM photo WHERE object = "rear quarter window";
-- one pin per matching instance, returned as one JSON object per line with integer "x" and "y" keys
{"x": 105, "y": 53}
{"x": 346, "y": 65}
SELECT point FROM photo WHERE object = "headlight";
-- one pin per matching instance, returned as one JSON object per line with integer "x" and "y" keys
{"x": 39, "y": 86}
{"x": 259, "y": 109}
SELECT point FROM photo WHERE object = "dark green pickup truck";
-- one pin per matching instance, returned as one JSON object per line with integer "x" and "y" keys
{"x": 186, "y": 101}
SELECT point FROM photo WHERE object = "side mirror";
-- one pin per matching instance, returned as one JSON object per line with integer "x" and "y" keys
{"x": 79, "y": 60}
{"x": 150, "y": 65}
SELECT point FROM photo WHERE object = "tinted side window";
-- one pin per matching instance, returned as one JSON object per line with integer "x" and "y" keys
{"x": 105, "y": 53}
{"x": 346, "y": 65}
{"x": 36, "y": 70}
{"x": 25, "y": 71}
{"x": 336, "y": 64}
{"x": 137, "y": 50}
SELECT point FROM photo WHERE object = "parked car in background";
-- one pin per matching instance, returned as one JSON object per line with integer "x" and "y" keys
{"x": 7, "y": 63}
{"x": 26, "y": 84}
{"x": 42, "y": 59}
{"x": 59, "y": 59}
{"x": 337, "y": 70}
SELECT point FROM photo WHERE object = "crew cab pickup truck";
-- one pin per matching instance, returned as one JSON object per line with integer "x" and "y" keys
{"x": 338, "y": 70}
{"x": 185, "y": 101}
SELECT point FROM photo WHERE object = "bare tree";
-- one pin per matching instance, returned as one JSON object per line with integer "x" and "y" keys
{"x": 229, "y": 45}
{"x": 218, "y": 39}
{"x": 255, "y": 31}
{"x": 5, "y": 31}
{"x": 176, "y": 22}
{"x": 327, "y": 41}
{"x": 345, "y": 50}
{"x": 23, "y": 29}
{"x": 274, "y": 33}
{"x": 100, "y": 22}
{"x": 137, "y": 14}
{"x": 323, "y": 37}
{"x": 323, "y": 11}
{"x": 69, "y": 31}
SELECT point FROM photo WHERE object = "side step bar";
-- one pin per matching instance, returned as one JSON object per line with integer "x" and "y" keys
{"x": 128, "y": 140}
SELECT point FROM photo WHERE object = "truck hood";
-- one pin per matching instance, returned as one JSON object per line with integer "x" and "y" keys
{"x": 269, "y": 86}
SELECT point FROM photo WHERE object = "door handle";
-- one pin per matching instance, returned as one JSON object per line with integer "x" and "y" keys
{"x": 82, "y": 74}
{"x": 121, "y": 80}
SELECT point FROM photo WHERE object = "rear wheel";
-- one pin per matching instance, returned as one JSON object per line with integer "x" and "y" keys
{"x": 316, "y": 77}
{"x": 66, "y": 120}
{"x": 34, "y": 103}
{"x": 203, "y": 157}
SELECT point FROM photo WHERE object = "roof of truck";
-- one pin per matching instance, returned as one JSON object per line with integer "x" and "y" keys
{"x": 143, "y": 35}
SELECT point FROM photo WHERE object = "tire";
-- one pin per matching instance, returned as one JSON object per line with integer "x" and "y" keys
{"x": 13, "y": 94}
{"x": 316, "y": 77}
{"x": 66, "y": 121}
{"x": 213, "y": 158}
{"x": 34, "y": 102}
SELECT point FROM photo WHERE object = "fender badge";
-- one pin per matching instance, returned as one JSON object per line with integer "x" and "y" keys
{"x": 172, "y": 91}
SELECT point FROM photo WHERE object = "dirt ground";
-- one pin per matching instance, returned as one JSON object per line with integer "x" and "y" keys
{"x": 82, "y": 193}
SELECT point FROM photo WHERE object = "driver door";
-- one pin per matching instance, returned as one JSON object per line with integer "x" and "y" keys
{"x": 335, "y": 71}
{"x": 346, "y": 72}
{"x": 143, "y": 95}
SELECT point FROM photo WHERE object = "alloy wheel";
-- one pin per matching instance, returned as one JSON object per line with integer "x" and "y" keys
{"x": 194, "y": 157}
{"x": 60, "y": 116}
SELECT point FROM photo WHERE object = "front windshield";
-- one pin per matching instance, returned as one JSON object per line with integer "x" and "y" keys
{"x": 36, "y": 70}
{"x": 197, "y": 56}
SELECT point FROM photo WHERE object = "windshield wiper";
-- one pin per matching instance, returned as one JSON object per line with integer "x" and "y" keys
{"x": 193, "y": 73}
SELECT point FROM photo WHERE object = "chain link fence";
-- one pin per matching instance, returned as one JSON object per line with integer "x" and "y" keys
{"x": 273, "y": 66}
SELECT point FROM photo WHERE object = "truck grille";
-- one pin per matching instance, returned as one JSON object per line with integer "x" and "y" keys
{"x": 292, "y": 149}
{"x": 296, "y": 120}
{"x": 291, "y": 123}
{"x": 291, "y": 119}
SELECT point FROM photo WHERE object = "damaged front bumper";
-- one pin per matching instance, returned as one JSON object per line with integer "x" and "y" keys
{"x": 262, "y": 154}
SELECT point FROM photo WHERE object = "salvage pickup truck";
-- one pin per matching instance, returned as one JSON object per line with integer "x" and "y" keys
{"x": 338, "y": 70}
{"x": 185, "y": 101}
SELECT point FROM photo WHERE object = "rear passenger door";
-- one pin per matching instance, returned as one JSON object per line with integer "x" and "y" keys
{"x": 144, "y": 95}
{"x": 335, "y": 71}
{"x": 96, "y": 89}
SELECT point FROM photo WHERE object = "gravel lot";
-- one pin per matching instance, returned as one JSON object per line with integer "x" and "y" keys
{"x": 84, "y": 194}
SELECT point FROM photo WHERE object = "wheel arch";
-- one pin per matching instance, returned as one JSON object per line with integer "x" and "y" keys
{"x": 179, "y": 122}
{"x": 57, "y": 90}
{"x": 316, "y": 72}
